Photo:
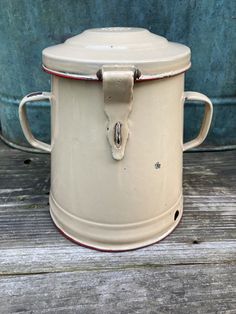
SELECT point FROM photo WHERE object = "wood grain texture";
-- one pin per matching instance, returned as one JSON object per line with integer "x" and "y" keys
{"x": 191, "y": 271}
{"x": 173, "y": 289}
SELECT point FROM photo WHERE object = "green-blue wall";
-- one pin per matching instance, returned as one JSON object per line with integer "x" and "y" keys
{"x": 208, "y": 27}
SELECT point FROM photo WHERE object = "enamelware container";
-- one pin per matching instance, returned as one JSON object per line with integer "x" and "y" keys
{"x": 117, "y": 100}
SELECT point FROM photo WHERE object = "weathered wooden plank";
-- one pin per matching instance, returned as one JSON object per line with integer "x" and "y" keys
{"x": 176, "y": 289}
{"x": 30, "y": 243}
{"x": 20, "y": 226}
{"x": 197, "y": 223}
{"x": 65, "y": 258}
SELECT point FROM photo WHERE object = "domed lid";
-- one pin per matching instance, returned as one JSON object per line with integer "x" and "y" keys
{"x": 82, "y": 56}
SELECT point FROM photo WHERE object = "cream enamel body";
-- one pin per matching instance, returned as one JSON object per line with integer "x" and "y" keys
{"x": 93, "y": 188}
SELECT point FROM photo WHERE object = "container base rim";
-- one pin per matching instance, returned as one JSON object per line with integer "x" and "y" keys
{"x": 84, "y": 236}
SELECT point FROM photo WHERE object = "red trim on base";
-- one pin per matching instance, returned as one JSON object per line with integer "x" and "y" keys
{"x": 110, "y": 251}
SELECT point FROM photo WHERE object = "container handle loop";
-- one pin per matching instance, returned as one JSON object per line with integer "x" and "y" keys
{"x": 37, "y": 96}
{"x": 206, "y": 122}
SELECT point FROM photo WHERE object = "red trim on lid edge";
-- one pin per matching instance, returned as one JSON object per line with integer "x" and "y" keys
{"x": 65, "y": 75}
{"x": 60, "y": 74}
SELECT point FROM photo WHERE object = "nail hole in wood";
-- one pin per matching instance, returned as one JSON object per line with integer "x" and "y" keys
{"x": 176, "y": 214}
{"x": 195, "y": 242}
{"x": 27, "y": 161}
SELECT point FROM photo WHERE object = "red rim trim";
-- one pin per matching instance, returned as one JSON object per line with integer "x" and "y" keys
{"x": 111, "y": 251}
{"x": 100, "y": 81}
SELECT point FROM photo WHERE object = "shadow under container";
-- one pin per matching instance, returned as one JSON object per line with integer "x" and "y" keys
{"x": 117, "y": 147}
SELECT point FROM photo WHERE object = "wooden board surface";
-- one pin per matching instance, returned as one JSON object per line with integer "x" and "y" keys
{"x": 192, "y": 271}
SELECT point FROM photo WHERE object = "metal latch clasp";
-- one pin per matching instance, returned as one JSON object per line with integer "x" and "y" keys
{"x": 118, "y": 83}
{"x": 117, "y": 134}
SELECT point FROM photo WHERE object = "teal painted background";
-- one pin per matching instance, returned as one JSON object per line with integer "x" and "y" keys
{"x": 208, "y": 27}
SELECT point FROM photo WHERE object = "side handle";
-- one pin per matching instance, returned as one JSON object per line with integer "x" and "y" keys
{"x": 206, "y": 122}
{"x": 25, "y": 123}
